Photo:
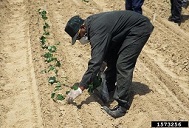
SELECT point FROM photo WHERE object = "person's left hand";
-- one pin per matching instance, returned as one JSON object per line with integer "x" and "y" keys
{"x": 73, "y": 94}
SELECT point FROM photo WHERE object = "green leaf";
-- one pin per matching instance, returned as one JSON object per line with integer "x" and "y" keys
{"x": 43, "y": 14}
{"x": 90, "y": 88}
{"x": 52, "y": 80}
{"x": 60, "y": 97}
{"x": 52, "y": 95}
{"x": 44, "y": 47}
{"x": 96, "y": 82}
{"x": 86, "y": 1}
{"x": 56, "y": 89}
{"x": 58, "y": 63}
{"x": 52, "y": 48}
{"x": 48, "y": 55}
{"x": 55, "y": 59}
{"x": 44, "y": 17}
{"x": 46, "y": 33}
{"x": 67, "y": 92}
{"x": 46, "y": 26}
{"x": 56, "y": 71}
{"x": 43, "y": 40}
{"x": 58, "y": 84}
{"x": 75, "y": 86}
{"x": 51, "y": 68}
{"x": 50, "y": 59}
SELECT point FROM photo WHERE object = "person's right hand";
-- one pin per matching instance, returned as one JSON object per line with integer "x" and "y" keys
{"x": 73, "y": 94}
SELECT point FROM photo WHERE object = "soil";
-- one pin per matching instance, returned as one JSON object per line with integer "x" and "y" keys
{"x": 160, "y": 82}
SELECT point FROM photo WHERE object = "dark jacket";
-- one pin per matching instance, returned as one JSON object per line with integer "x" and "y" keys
{"x": 107, "y": 30}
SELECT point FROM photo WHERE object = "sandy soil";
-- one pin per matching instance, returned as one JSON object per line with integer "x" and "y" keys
{"x": 161, "y": 76}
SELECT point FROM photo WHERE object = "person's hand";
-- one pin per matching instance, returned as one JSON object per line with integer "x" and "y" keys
{"x": 73, "y": 94}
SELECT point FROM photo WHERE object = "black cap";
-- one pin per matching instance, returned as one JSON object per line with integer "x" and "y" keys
{"x": 73, "y": 26}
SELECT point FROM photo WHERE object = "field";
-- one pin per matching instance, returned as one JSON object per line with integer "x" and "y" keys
{"x": 161, "y": 76}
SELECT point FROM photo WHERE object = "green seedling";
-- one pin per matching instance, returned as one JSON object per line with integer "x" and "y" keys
{"x": 52, "y": 80}
{"x": 44, "y": 47}
{"x": 85, "y": 1}
{"x": 46, "y": 26}
{"x": 52, "y": 48}
{"x": 96, "y": 82}
{"x": 58, "y": 87}
{"x": 53, "y": 95}
{"x": 46, "y": 33}
{"x": 90, "y": 88}
{"x": 50, "y": 59}
{"x": 67, "y": 92}
{"x": 48, "y": 55}
{"x": 57, "y": 97}
{"x": 75, "y": 86}
{"x": 58, "y": 64}
{"x": 42, "y": 40}
{"x": 52, "y": 68}
{"x": 60, "y": 97}
{"x": 43, "y": 14}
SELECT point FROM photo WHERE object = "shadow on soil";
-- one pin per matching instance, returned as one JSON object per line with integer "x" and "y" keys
{"x": 136, "y": 89}
{"x": 184, "y": 18}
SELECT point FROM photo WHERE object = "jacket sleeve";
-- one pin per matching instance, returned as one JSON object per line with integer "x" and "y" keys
{"x": 99, "y": 45}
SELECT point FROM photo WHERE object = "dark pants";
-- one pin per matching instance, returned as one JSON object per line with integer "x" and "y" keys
{"x": 134, "y": 5}
{"x": 176, "y": 8}
{"x": 120, "y": 65}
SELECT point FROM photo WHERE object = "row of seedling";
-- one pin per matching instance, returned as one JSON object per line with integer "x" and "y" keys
{"x": 52, "y": 62}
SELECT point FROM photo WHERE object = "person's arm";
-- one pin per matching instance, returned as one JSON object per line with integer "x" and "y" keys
{"x": 99, "y": 45}
{"x": 99, "y": 48}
